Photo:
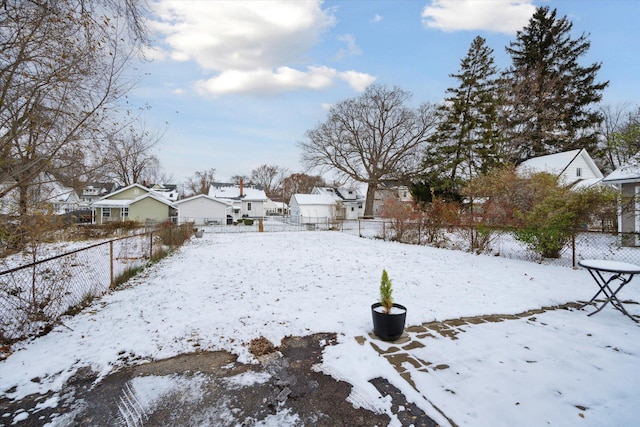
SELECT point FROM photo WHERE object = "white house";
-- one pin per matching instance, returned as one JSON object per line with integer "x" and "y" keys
{"x": 312, "y": 208}
{"x": 275, "y": 208}
{"x": 349, "y": 202}
{"x": 627, "y": 179}
{"x": 45, "y": 190}
{"x": 203, "y": 209}
{"x": 390, "y": 190}
{"x": 94, "y": 191}
{"x": 575, "y": 168}
{"x": 247, "y": 201}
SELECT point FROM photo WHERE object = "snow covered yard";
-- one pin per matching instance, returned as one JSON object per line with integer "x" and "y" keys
{"x": 559, "y": 367}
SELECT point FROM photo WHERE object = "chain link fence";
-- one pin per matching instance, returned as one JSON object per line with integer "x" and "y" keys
{"x": 581, "y": 244}
{"x": 36, "y": 295}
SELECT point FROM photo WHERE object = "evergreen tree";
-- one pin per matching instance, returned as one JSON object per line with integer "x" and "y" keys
{"x": 550, "y": 93}
{"x": 467, "y": 142}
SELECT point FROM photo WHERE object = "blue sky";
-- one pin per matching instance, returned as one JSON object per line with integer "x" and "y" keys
{"x": 236, "y": 84}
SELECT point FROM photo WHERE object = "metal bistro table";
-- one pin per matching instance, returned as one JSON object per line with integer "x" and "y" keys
{"x": 622, "y": 271}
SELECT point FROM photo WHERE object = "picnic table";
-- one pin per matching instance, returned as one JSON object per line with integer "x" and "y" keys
{"x": 615, "y": 270}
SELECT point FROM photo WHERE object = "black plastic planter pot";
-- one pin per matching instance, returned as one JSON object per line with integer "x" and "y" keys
{"x": 388, "y": 327}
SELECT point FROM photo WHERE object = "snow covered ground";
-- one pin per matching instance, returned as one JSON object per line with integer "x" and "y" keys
{"x": 559, "y": 367}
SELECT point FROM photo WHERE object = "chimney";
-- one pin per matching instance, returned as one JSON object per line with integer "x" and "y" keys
{"x": 241, "y": 188}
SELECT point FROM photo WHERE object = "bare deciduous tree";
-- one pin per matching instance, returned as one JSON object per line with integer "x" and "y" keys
{"x": 237, "y": 178}
{"x": 620, "y": 131}
{"x": 299, "y": 183}
{"x": 61, "y": 74}
{"x": 128, "y": 155}
{"x": 370, "y": 138}
{"x": 268, "y": 177}
{"x": 200, "y": 182}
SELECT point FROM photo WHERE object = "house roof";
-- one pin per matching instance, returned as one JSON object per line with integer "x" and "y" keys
{"x": 558, "y": 163}
{"x": 203, "y": 196}
{"x": 118, "y": 203}
{"x": 120, "y": 190}
{"x": 314, "y": 199}
{"x": 626, "y": 173}
{"x": 339, "y": 193}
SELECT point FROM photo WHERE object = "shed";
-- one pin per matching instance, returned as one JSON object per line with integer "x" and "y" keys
{"x": 203, "y": 209}
{"x": 312, "y": 208}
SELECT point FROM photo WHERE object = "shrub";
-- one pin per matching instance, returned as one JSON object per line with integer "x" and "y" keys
{"x": 544, "y": 213}
{"x": 404, "y": 218}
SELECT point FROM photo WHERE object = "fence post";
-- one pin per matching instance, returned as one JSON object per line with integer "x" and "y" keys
{"x": 111, "y": 280}
{"x": 573, "y": 249}
{"x": 151, "y": 245}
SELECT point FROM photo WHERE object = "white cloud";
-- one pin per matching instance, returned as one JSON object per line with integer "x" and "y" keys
{"x": 376, "y": 18}
{"x": 252, "y": 47}
{"x": 257, "y": 47}
{"x": 503, "y": 16}
{"x": 351, "y": 48}
{"x": 240, "y": 35}
{"x": 265, "y": 81}
{"x": 358, "y": 81}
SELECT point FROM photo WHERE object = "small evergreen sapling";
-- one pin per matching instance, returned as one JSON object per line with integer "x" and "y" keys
{"x": 386, "y": 300}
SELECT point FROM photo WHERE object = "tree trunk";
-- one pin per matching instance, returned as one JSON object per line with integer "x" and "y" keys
{"x": 371, "y": 194}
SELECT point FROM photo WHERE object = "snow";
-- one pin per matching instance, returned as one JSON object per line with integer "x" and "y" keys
{"x": 554, "y": 366}
{"x": 608, "y": 265}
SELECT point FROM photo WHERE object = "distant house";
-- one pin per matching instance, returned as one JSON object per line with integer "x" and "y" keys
{"x": 203, "y": 209}
{"x": 575, "y": 168}
{"x": 94, "y": 191}
{"x": 247, "y": 201}
{"x": 312, "y": 208}
{"x": 134, "y": 202}
{"x": 275, "y": 208}
{"x": 169, "y": 191}
{"x": 390, "y": 190}
{"x": 45, "y": 191}
{"x": 349, "y": 203}
{"x": 627, "y": 179}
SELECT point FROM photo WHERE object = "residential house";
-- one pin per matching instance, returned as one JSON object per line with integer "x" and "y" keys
{"x": 312, "y": 208}
{"x": 575, "y": 168}
{"x": 45, "y": 191}
{"x": 627, "y": 179}
{"x": 390, "y": 189}
{"x": 275, "y": 208}
{"x": 247, "y": 201}
{"x": 349, "y": 202}
{"x": 169, "y": 191}
{"x": 134, "y": 202}
{"x": 94, "y": 191}
{"x": 203, "y": 209}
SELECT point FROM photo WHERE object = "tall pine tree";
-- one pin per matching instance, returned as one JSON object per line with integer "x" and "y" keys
{"x": 550, "y": 94}
{"x": 467, "y": 142}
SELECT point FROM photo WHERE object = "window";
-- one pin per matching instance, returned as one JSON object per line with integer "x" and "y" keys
{"x": 578, "y": 171}
{"x": 248, "y": 206}
{"x": 106, "y": 212}
{"x": 124, "y": 212}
